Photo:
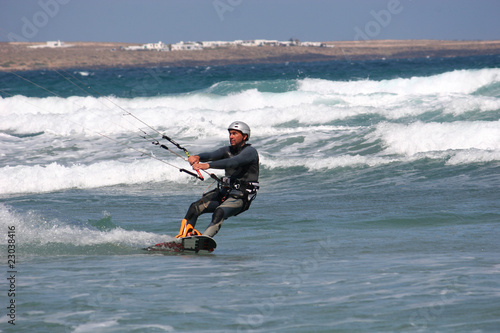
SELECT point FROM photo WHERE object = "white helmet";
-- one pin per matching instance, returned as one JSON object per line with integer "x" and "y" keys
{"x": 240, "y": 126}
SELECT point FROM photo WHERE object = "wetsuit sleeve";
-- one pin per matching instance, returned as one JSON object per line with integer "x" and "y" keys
{"x": 247, "y": 156}
{"x": 213, "y": 156}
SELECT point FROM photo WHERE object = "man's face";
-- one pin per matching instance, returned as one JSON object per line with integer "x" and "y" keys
{"x": 236, "y": 138}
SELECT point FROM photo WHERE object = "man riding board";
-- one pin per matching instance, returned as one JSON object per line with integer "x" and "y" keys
{"x": 236, "y": 190}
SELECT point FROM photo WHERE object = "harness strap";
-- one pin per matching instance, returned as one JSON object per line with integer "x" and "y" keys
{"x": 244, "y": 186}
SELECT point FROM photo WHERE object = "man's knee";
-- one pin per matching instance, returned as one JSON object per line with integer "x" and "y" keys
{"x": 192, "y": 210}
{"x": 218, "y": 216}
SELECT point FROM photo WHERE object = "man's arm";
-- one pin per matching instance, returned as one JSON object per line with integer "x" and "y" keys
{"x": 247, "y": 156}
{"x": 194, "y": 160}
{"x": 213, "y": 156}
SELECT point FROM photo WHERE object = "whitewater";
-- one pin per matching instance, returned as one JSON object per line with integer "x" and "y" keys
{"x": 61, "y": 142}
{"x": 378, "y": 208}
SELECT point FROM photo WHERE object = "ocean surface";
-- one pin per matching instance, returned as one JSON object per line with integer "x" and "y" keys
{"x": 379, "y": 208}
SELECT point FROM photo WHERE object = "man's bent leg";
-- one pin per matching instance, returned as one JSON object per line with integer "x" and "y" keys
{"x": 216, "y": 224}
{"x": 228, "y": 208}
{"x": 208, "y": 203}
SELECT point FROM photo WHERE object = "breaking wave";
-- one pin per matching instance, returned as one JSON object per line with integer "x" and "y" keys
{"x": 50, "y": 144}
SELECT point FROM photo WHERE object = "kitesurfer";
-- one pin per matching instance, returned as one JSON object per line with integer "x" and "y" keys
{"x": 235, "y": 191}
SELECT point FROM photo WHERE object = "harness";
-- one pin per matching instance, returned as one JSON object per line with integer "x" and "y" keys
{"x": 238, "y": 189}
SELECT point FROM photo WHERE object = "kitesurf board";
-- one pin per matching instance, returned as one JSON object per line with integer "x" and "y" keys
{"x": 191, "y": 244}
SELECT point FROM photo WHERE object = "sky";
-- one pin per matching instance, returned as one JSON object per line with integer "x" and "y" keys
{"x": 171, "y": 21}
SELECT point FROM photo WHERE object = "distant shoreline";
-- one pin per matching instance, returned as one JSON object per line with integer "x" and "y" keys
{"x": 88, "y": 55}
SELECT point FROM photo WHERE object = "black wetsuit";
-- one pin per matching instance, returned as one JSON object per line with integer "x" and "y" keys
{"x": 237, "y": 191}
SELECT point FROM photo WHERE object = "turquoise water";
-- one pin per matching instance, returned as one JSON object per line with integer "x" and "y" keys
{"x": 378, "y": 209}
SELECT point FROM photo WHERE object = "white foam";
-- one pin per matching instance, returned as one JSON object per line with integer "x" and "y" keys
{"x": 84, "y": 73}
{"x": 474, "y": 156}
{"x": 56, "y": 177}
{"x": 314, "y": 163}
{"x": 421, "y": 137}
{"x": 458, "y": 81}
{"x": 93, "y": 327}
{"x": 53, "y": 144}
{"x": 203, "y": 114}
{"x": 33, "y": 228}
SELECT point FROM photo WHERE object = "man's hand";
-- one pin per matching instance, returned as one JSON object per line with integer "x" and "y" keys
{"x": 201, "y": 166}
{"x": 194, "y": 159}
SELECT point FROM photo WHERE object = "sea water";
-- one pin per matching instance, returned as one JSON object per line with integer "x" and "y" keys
{"x": 379, "y": 208}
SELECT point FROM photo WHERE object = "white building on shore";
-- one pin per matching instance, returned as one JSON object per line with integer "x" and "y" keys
{"x": 183, "y": 46}
{"x": 150, "y": 46}
{"x": 215, "y": 44}
{"x": 51, "y": 44}
{"x": 313, "y": 44}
